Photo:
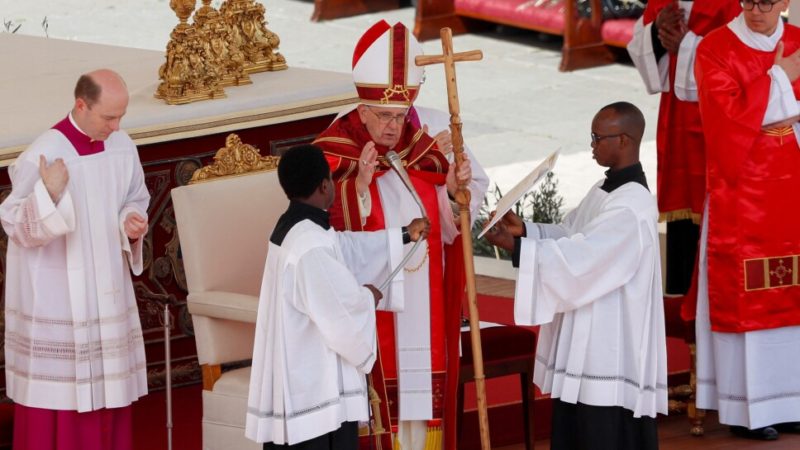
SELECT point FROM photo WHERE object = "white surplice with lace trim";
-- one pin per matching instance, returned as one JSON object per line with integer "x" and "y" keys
{"x": 593, "y": 283}
{"x": 315, "y": 331}
{"x": 73, "y": 336}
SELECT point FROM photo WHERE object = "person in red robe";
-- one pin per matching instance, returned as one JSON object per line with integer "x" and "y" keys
{"x": 419, "y": 329}
{"x": 663, "y": 50}
{"x": 748, "y": 308}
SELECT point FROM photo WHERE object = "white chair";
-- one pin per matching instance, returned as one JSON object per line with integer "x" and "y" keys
{"x": 224, "y": 223}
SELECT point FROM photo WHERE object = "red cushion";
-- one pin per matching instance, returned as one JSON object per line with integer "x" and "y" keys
{"x": 617, "y": 32}
{"x": 673, "y": 322}
{"x": 500, "y": 344}
{"x": 547, "y": 17}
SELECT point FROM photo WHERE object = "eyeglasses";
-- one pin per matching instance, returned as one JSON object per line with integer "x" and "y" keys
{"x": 385, "y": 117}
{"x": 763, "y": 6}
{"x": 596, "y": 138}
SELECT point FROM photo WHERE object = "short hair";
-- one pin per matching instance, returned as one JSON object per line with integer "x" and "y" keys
{"x": 631, "y": 119}
{"x": 301, "y": 170}
{"x": 88, "y": 90}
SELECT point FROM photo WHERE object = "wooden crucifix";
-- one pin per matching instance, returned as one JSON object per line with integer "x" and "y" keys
{"x": 449, "y": 59}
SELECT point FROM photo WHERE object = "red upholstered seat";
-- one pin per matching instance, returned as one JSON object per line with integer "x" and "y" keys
{"x": 547, "y": 17}
{"x": 500, "y": 344}
{"x": 617, "y": 32}
{"x": 507, "y": 350}
{"x": 673, "y": 322}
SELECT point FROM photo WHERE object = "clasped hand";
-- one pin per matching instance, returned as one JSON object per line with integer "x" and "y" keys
{"x": 672, "y": 27}
{"x": 54, "y": 176}
{"x": 135, "y": 226}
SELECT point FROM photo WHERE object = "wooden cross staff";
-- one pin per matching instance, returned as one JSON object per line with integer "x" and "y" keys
{"x": 449, "y": 59}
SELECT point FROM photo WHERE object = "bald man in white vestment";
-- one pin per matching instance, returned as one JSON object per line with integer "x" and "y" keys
{"x": 76, "y": 218}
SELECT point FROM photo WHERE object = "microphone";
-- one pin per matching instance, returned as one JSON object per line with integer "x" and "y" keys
{"x": 397, "y": 165}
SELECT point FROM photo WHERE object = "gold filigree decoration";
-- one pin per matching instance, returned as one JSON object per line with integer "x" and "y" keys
{"x": 397, "y": 89}
{"x": 189, "y": 74}
{"x": 236, "y": 158}
{"x": 219, "y": 49}
{"x": 781, "y": 271}
{"x": 224, "y": 55}
{"x": 248, "y": 32}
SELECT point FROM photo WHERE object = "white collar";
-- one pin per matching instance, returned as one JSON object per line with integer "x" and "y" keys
{"x": 755, "y": 40}
{"x": 72, "y": 121}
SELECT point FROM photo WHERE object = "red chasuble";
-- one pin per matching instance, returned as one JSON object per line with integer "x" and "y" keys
{"x": 427, "y": 167}
{"x": 679, "y": 137}
{"x": 753, "y": 182}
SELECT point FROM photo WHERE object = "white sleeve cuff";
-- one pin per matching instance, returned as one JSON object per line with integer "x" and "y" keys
{"x": 655, "y": 73}
{"x": 393, "y": 298}
{"x": 530, "y": 307}
{"x": 532, "y": 231}
{"x": 57, "y": 219}
{"x": 364, "y": 206}
{"x": 448, "y": 215}
{"x": 782, "y": 102}
{"x": 685, "y": 82}
{"x": 133, "y": 250}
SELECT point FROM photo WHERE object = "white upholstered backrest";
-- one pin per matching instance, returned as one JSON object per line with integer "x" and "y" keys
{"x": 224, "y": 227}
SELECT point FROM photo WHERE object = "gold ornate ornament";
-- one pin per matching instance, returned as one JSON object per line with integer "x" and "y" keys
{"x": 224, "y": 56}
{"x": 236, "y": 158}
{"x": 219, "y": 49}
{"x": 248, "y": 31}
{"x": 187, "y": 75}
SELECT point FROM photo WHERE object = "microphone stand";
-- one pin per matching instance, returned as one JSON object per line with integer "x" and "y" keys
{"x": 397, "y": 165}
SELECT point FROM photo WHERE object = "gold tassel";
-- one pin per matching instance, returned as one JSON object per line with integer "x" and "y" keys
{"x": 681, "y": 214}
{"x": 433, "y": 437}
{"x": 397, "y": 445}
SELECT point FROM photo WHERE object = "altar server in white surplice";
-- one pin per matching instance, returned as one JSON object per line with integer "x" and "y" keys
{"x": 76, "y": 218}
{"x": 315, "y": 333}
{"x": 593, "y": 283}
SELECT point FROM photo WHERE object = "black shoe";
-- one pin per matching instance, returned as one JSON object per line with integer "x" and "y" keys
{"x": 761, "y": 434}
{"x": 788, "y": 427}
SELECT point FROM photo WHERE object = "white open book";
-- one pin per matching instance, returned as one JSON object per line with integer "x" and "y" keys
{"x": 516, "y": 193}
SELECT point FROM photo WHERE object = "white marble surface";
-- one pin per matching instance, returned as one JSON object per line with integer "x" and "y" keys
{"x": 37, "y": 92}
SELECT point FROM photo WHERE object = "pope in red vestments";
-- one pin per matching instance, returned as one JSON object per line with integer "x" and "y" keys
{"x": 418, "y": 332}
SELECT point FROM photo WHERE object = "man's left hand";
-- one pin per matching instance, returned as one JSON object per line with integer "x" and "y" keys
{"x": 458, "y": 173}
{"x": 135, "y": 226}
